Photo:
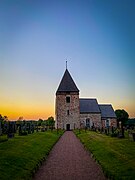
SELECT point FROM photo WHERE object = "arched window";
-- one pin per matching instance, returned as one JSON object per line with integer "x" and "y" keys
{"x": 107, "y": 122}
{"x": 87, "y": 122}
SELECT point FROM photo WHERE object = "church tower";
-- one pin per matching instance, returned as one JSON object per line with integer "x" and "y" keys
{"x": 67, "y": 109}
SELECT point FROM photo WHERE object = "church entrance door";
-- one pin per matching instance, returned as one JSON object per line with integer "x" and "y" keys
{"x": 68, "y": 127}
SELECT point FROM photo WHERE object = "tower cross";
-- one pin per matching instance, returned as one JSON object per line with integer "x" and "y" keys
{"x": 66, "y": 64}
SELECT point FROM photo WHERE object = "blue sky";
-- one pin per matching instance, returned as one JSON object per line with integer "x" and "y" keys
{"x": 36, "y": 37}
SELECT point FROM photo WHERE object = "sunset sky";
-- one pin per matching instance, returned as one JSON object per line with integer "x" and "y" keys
{"x": 97, "y": 37}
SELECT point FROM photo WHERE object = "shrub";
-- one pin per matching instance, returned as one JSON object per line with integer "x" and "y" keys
{"x": 23, "y": 133}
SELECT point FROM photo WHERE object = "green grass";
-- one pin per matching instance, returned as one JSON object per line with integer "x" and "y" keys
{"x": 21, "y": 156}
{"x": 3, "y": 138}
{"x": 116, "y": 156}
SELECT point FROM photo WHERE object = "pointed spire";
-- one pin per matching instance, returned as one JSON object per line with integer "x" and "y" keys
{"x": 67, "y": 84}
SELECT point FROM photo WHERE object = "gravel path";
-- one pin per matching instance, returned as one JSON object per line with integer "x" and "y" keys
{"x": 68, "y": 160}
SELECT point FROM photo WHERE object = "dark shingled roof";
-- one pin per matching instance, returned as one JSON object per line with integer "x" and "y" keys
{"x": 89, "y": 106}
{"x": 67, "y": 84}
{"x": 107, "y": 111}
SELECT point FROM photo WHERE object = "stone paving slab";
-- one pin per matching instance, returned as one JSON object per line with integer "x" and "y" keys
{"x": 68, "y": 160}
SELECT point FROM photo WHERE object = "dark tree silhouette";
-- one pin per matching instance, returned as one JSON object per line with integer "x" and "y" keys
{"x": 122, "y": 116}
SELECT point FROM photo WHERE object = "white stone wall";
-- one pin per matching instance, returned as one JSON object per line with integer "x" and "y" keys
{"x": 62, "y": 117}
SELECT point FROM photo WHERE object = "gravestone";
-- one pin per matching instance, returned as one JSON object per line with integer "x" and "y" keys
{"x": 0, "y": 129}
{"x": 133, "y": 134}
{"x": 112, "y": 130}
{"x": 37, "y": 128}
{"x": 29, "y": 128}
{"x": 20, "y": 129}
{"x": 10, "y": 131}
{"x": 32, "y": 128}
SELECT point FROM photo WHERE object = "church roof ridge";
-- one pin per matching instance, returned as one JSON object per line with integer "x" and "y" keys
{"x": 105, "y": 104}
{"x": 88, "y": 98}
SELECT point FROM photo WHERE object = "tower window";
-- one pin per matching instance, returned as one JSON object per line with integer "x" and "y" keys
{"x": 67, "y": 112}
{"x": 68, "y": 99}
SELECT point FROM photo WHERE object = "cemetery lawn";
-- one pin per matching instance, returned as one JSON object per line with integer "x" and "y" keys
{"x": 21, "y": 156}
{"x": 116, "y": 156}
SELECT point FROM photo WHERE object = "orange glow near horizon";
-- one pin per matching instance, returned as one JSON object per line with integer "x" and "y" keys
{"x": 43, "y": 112}
{"x": 28, "y": 113}
{"x": 32, "y": 105}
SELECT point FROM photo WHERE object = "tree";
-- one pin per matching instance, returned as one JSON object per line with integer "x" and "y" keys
{"x": 122, "y": 116}
{"x": 20, "y": 118}
{"x": 4, "y": 123}
{"x": 50, "y": 122}
{"x": 5, "y": 118}
{"x": 39, "y": 122}
{"x": 1, "y": 118}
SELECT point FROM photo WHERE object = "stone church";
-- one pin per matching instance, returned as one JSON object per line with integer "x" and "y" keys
{"x": 73, "y": 112}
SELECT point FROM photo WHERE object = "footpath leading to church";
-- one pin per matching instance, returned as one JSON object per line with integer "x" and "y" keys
{"x": 68, "y": 160}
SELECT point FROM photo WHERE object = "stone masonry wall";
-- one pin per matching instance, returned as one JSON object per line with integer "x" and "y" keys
{"x": 94, "y": 118}
{"x": 62, "y": 108}
{"x": 113, "y": 122}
